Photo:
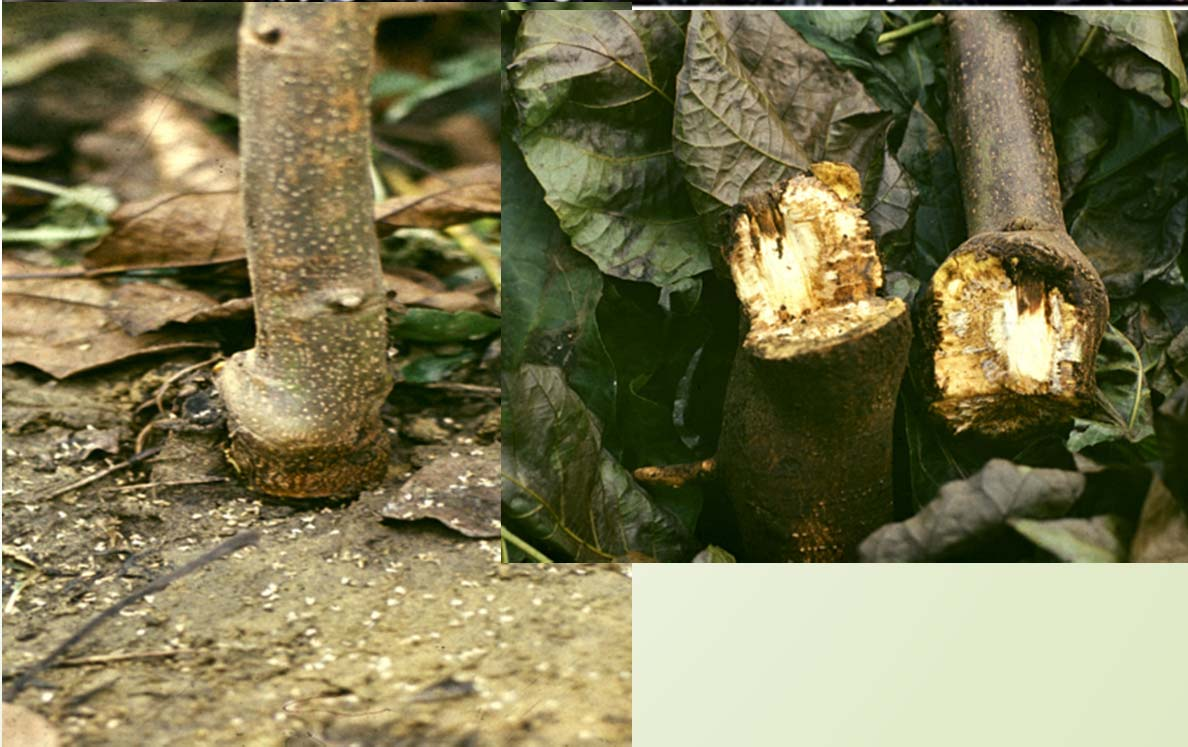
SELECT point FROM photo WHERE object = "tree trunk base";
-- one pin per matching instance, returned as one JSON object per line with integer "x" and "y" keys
{"x": 282, "y": 449}
{"x": 1011, "y": 321}
{"x": 805, "y": 451}
{"x": 315, "y": 472}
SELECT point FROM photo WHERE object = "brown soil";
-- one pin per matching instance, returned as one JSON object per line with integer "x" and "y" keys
{"x": 336, "y": 629}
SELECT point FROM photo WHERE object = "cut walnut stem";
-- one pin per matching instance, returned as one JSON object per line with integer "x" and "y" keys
{"x": 1011, "y": 321}
{"x": 805, "y": 447}
{"x": 303, "y": 404}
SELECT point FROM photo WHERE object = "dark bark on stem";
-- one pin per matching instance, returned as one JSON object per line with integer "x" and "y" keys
{"x": 304, "y": 404}
{"x": 805, "y": 451}
{"x": 999, "y": 123}
{"x": 1011, "y": 321}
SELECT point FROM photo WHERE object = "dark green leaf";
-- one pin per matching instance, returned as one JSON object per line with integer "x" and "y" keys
{"x": 550, "y": 292}
{"x": 889, "y": 199}
{"x": 660, "y": 343}
{"x": 1123, "y": 397}
{"x": 901, "y": 285}
{"x": 427, "y": 369}
{"x": 897, "y": 76}
{"x": 1081, "y": 126}
{"x": 78, "y": 213}
{"x": 386, "y": 83}
{"x": 926, "y": 155}
{"x": 1142, "y": 129}
{"x": 1071, "y": 40}
{"x": 969, "y": 510}
{"x": 562, "y": 491}
{"x": 594, "y": 93}
{"x": 448, "y": 76}
{"x": 1151, "y": 32}
{"x": 1065, "y": 39}
{"x": 84, "y": 205}
{"x": 1100, "y": 539}
{"x": 935, "y": 458}
{"x": 1152, "y": 321}
{"x": 843, "y": 25}
{"x": 755, "y": 103}
{"x": 432, "y": 325}
{"x": 1127, "y": 216}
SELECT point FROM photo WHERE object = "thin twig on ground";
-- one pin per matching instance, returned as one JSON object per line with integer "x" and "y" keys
{"x": 132, "y": 460}
{"x": 84, "y": 661}
{"x": 241, "y": 540}
{"x": 166, "y": 484}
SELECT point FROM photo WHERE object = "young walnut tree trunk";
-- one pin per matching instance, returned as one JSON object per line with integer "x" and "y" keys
{"x": 1012, "y": 320}
{"x": 304, "y": 404}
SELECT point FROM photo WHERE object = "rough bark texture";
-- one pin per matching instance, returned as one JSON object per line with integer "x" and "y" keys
{"x": 304, "y": 404}
{"x": 805, "y": 447}
{"x": 1011, "y": 321}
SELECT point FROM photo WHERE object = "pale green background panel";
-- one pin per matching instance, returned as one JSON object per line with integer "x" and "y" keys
{"x": 911, "y": 656}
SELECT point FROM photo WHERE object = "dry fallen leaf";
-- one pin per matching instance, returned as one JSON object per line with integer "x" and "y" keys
{"x": 174, "y": 230}
{"x": 460, "y": 489}
{"x": 451, "y": 198}
{"x": 145, "y": 307}
{"x": 469, "y": 137}
{"x": 61, "y": 325}
{"x": 158, "y": 146}
{"x": 430, "y": 293}
{"x": 198, "y": 229}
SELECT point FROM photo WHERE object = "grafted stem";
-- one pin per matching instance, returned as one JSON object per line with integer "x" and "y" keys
{"x": 1011, "y": 321}
{"x": 304, "y": 403}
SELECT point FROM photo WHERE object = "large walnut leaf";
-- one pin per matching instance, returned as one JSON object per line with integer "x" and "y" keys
{"x": 551, "y": 293}
{"x": 594, "y": 92}
{"x": 968, "y": 510}
{"x": 65, "y": 326}
{"x": 1123, "y": 397}
{"x": 562, "y": 490}
{"x": 1152, "y": 32}
{"x": 756, "y": 103}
